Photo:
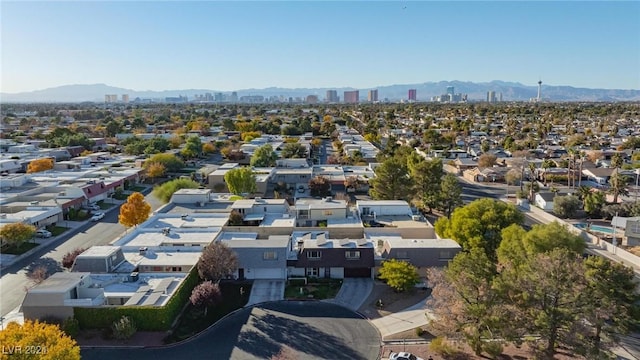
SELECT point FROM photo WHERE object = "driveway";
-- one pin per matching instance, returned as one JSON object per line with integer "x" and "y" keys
{"x": 266, "y": 290}
{"x": 353, "y": 293}
{"x": 310, "y": 329}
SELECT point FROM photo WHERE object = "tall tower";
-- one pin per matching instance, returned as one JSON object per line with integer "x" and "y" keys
{"x": 539, "y": 89}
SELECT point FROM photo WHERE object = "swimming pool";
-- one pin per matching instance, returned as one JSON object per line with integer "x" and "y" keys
{"x": 597, "y": 228}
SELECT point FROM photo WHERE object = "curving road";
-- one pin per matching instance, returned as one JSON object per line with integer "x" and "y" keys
{"x": 312, "y": 330}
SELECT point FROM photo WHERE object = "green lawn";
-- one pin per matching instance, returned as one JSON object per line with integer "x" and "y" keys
{"x": 24, "y": 247}
{"x": 193, "y": 319}
{"x": 318, "y": 289}
{"x": 56, "y": 230}
{"x": 137, "y": 188}
{"x": 105, "y": 206}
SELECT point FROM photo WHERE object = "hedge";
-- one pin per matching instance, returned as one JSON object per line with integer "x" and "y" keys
{"x": 146, "y": 318}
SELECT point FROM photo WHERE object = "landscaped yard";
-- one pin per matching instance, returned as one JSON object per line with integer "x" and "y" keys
{"x": 234, "y": 296}
{"x": 137, "y": 188}
{"x": 23, "y": 248}
{"x": 56, "y": 230}
{"x": 317, "y": 289}
{"x": 105, "y": 206}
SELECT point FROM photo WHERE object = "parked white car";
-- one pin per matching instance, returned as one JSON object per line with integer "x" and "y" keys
{"x": 42, "y": 233}
{"x": 97, "y": 216}
{"x": 403, "y": 356}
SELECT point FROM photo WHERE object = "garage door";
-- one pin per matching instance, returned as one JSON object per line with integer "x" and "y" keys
{"x": 272, "y": 273}
{"x": 357, "y": 272}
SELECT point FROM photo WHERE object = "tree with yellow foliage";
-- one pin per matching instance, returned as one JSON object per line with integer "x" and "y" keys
{"x": 36, "y": 340}
{"x": 156, "y": 170}
{"x": 39, "y": 165}
{"x": 135, "y": 211}
{"x": 15, "y": 234}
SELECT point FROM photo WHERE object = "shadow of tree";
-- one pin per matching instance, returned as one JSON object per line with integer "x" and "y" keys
{"x": 277, "y": 329}
{"x": 42, "y": 268}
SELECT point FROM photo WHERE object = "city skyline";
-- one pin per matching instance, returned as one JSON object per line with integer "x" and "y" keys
{"x": 308, "y": 44}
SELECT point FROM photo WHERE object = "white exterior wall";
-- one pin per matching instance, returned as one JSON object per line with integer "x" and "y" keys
{"x": 336, "y": 273}
{"x": 189, "y": 198}
{"x": 382, "y": 210}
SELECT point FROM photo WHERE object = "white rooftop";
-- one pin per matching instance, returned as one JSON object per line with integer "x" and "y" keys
{"x": 278, "y": 220}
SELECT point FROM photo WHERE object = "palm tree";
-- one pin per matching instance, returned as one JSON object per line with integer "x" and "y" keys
{"x": 583, "y": 192}
{"x": 618, "y": 185}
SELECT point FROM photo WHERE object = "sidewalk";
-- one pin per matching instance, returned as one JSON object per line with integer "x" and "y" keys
{"x": 407, "y": 319}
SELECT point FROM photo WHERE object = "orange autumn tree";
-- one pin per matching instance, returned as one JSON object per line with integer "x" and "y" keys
{"x": 156, "y": 170}
{"x": 41, "y": 340}
{"x": 135, "y": 211}
{"x": 39, "y": 165}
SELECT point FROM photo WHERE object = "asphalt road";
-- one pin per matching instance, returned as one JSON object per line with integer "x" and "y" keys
{"x": 14, "y": 280}
{"x": 311, "y": 329}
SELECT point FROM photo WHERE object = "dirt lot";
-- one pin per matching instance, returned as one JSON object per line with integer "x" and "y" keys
{"x": 391, "y": 301}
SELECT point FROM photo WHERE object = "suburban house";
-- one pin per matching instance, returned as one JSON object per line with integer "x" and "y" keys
{"x": 310, "y": 211}
{"x": 318, "y": 256}
{"x": 632, "y": 231}
{"x": 422, "y": 253}
{"x": 294, "y": 179}
{"x": 255, "y": 210}
{"x": 376, "y": 208}
{"x": 599, "y": 175}
{"x": 259, "y": 258}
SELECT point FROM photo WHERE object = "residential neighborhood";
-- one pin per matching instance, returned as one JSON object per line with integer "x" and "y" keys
{"x": 317, "y": 202}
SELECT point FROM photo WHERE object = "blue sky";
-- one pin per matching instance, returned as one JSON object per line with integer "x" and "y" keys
{"x": 157, "y": 45}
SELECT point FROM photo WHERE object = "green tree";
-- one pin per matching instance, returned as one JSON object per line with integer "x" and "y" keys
{"x": 16, "y": 234}
{"x": 165, "y": 191}
{"x": 593, "y": 203}
{"x": 399, "y": 275}
{"x": 264, "y": 156}
{"x": 518, "y": 245}
{"x": 192, "y": 148}
{"x": 450, "y": 194}
{"x": 170, "y": 162}
{"x": 479, "y": 224}
{"x": 392, "y": 181}
{"x": 618, "y": 186}
{"x": 613, "y": 308}
{"x": 546, "y": 297}
{"x": 427, "y": 177}
{"x": 566, "y": 206}
{"x": 241, "y": 181}
{"x": 294, "y": 150}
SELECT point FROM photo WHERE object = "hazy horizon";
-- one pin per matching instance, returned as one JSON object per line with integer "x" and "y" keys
{"x": 229, "y": 46}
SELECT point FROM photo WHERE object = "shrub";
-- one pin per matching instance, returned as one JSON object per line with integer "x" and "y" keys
{"x": 493, "y": 348}
{"x": 69, "y": 258}
{"x": 441, "y": 346}
{"x": 71, "y": 327}
{"x": 419, "y": 331}
{"x": 123, "y": 328}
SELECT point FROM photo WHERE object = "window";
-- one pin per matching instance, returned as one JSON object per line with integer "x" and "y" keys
{"x": 402, "y": 255}
{"x": 314, "y": 272}
{"x": 270, "y": 255}
{"x": 328, "y": 212}
{"x": 352, "y": 255}
{"x": 314, "y": 254}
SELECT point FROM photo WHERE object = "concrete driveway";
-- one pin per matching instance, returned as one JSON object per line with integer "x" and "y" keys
{"x": 353, "y": 293}
{"x": 266, "y": 290}
{"x": 312, "y": 330}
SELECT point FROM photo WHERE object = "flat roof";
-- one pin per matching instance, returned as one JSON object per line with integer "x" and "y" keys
{"x": 421, "y": 243}
{"x": 401, "y": 221}
{"x": 382, "y": 203}
{"x": 337, "y": 243}
{"x": 230, "y": 235}
{"x": 192, "y": 220}
{"x": 278, "y": 220}
{"x": 59, "y": 282}
{"x": 274, "y": 241}
{"x": 192, "y": 192}
{"x": 324, "y": 203}
{"x": 99, "y": 251}
{"x": 175, "y": 237}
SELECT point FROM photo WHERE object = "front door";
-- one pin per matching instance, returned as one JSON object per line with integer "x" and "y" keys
{"x": 241, "y": 274}
{"x": 327, "y": 272}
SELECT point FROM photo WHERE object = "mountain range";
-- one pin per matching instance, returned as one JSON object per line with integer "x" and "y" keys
{"x": 511, "y": 91}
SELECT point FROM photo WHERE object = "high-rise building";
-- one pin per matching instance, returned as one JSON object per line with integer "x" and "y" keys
{"x": 234, "y": 97}
{"x": 451, "y": 90}
{"x": 351, "y": 97}
{"x": 332, "y": 96}
{"x": 373, "y": 95}
{"x": 125, "y": 98}
{"x": 110, "y": 98}
{"x": 491, "y": 96}
{"x": 412, "y": 95}
{"x": 312, "y": 99}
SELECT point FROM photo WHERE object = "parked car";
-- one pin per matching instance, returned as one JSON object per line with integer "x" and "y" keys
{"x": 92, "y": 207}
{"x": 97, "y": 216}
{"x": 403, "y": 356}
{"x": 42, "y": 233}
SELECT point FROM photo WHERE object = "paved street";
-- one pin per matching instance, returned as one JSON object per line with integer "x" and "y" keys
{"x": 311, "y": 329}
{"x": 14, "y": 280}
